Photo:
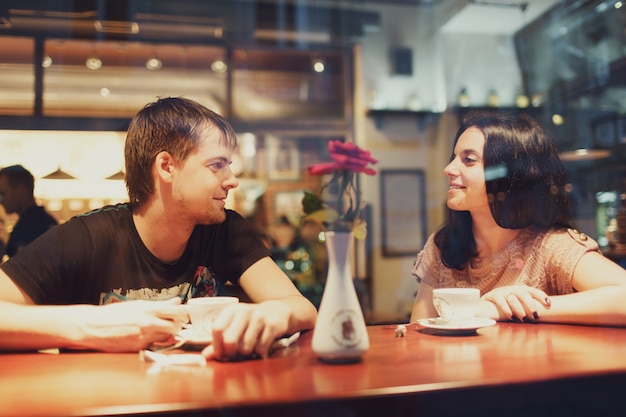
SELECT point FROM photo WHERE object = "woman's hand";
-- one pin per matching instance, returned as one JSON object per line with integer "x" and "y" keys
{"x": 517, "y": 302}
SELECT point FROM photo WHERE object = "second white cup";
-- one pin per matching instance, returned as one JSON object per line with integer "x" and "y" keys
{"x": 203, "y": 310}
{"x": 456, "y": 304}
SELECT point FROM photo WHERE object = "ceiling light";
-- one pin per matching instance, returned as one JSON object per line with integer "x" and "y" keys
{"x": 154, "y": 64}
{"x": 46, "y": 62}
{"x": 119, "y": 175}
{"x": 219, "y": 66}
{"x": 318, "y": 65}
{"x": 59, "y": 174}
{"x": 93, "y": 63}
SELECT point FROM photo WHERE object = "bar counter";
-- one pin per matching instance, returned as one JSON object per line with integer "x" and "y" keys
{"x": 507, "y": 369}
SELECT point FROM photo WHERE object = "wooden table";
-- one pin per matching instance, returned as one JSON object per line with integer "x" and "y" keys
{"x": 508, "y": 369}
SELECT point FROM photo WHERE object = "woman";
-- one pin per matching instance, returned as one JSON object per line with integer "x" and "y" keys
{"x": 508, "y": 233}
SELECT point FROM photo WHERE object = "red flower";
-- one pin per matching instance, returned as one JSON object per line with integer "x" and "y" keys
{"x": 347, "y": 161}
{"x": 347, "y": 157}
{"x": 322, "y": 169}
{"x": 350, "y": 157}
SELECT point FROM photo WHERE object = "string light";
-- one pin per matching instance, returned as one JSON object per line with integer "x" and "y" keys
{"x": 93, "y": 63}
{"x": 219, "y": 66}
{"x": 154, "y": 64}
{"x": 46, "y": 62}
{"x": 318, "y": 65}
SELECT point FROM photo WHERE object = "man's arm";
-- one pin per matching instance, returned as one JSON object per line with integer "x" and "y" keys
{"x": 278, "y": 309}
{"x": 119, "y": 327}
{"x": 265, "y": 281}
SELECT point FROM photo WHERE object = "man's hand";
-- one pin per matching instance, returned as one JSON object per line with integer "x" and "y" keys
{"x": 129, "y": 325}
{"x": 245, "y": 329}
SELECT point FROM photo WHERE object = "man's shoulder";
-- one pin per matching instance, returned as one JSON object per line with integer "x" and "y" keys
{"x": 107, "y": 214}
{"x": 112, "y": 209}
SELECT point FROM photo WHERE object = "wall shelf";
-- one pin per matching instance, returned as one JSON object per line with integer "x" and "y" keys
{"x": 422, "y": 117}
{"x": 502, "y": 111}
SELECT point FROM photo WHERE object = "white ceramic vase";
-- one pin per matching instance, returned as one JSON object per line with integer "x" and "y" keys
{"x": 340, "y": 334}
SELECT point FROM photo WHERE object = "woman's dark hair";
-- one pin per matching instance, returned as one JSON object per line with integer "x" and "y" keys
{"x": 525, "y": 180}
{"x": 172, "y": 124}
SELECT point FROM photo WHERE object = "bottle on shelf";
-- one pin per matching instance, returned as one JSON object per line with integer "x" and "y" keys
{"x": 463, "y": 99}
{"x": 521, "y": 99}
{"x": 492, "y": 99}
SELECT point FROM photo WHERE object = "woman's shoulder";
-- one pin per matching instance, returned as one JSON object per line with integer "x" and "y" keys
{"x": 562, "y": 239}
{"x": 426, "y": 258}
{"x": 429, "y": 246}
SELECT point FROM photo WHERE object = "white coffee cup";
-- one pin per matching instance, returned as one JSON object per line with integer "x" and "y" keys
{"x": 456, "y": 304}
{"x": 203, "y": 310}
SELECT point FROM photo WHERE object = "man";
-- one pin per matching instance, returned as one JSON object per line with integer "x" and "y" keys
{"x": 16, "y": 194}
{"x": 172, "y": 241}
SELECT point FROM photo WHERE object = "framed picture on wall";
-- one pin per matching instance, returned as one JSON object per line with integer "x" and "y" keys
{"x": 403, "y": 208}
{"x": 288, "y": 204}
{"x": 283, "y": 158}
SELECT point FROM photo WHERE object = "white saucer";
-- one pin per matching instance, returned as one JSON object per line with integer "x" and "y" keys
{"x": 191, "y": 338}
{"x": 458, "y": 327}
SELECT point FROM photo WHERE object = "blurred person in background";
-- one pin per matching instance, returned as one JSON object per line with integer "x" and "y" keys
{"x": 16, "y": 195}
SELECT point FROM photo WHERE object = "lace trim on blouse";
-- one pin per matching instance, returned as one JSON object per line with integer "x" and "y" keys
{"x": 544, "y": 260}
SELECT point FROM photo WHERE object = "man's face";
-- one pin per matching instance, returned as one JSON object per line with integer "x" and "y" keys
{"x": 9, "y": 196}
{"x": 202, "y": 182}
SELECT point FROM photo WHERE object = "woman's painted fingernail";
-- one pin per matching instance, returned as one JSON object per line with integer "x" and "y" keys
{"x": 547, "y": 300}
{"x": 535, "y": 315}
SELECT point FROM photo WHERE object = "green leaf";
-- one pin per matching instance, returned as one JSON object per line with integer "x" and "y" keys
{"x": 311, "y": 203}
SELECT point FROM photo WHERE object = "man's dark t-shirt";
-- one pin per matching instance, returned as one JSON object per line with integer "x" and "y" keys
{"x": 99, "y": 258}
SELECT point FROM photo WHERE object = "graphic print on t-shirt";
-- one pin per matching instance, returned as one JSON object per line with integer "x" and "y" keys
{"x": 119, "y": 294}
{"x": 204, "y": 283}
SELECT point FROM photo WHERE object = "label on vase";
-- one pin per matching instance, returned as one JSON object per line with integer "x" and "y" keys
{"x": 343, "y": 329}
